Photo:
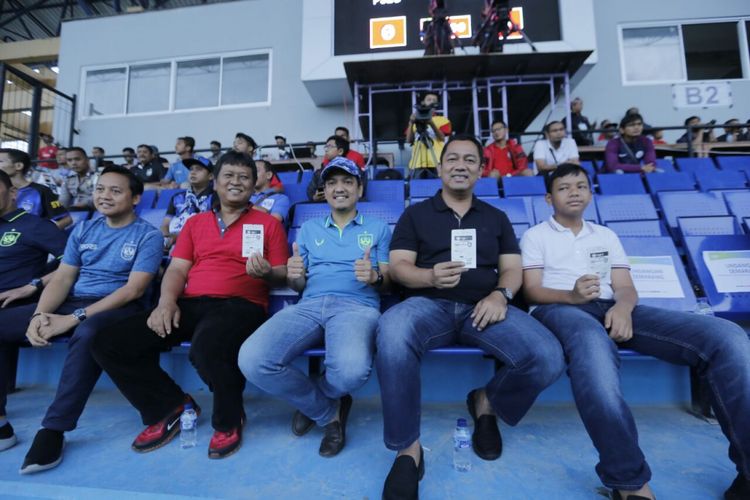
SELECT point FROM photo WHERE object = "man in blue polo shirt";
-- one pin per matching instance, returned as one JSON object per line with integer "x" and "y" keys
{"x": 339, "y": 263}
{"x": 107, "y": 267}
{"x": 266, "y": 198}
{"x": 185, "y": 204}
{"x": 179, "y": 171}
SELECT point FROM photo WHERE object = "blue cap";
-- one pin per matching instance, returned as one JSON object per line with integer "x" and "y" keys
{"x": 342, "y": 164}
{"x": 200, "y": 161}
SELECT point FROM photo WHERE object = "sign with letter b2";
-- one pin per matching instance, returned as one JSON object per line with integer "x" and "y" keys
{"x": 701, "y": 95}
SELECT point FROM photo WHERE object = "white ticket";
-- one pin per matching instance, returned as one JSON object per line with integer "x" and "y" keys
{"x": 598, "y": 263}
{"x": 252, "y": 239}
{"x": 464, "y": 247}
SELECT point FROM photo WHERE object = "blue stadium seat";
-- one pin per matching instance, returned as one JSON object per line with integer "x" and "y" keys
{"x": 726, "y": 180}
{"x": 518, "y": 210}
{"x": 738, "y": 203}
{"x": 153, "y": 216}
{"x": 734, "y": 162}
{"x": 659, "y": 247}
{"x": 288, "y": 177}
{"x": 523, "y": 186}
{"x": 708, "y": 225}
{"x": 543, "y": 211}
{"x": 589, "y": 167}
{"x": 674, "y": 181}
{"x": 746, "y": 223}
{"x": 695, "y": 164}
{"x": 619, "y": 207}
{"x": 147, "y": 200}
{"x": 390, "y": 191}
{"x": 638, "y": 228}
{"x": 296, "y": 192}
{"x": 387, "y": 212}
{"x": 165, "y": 196}
{"x": 620, "y": 184}
{"x": 486, "y": 187}
{"x": 665, "y": 166}
{"x": 424, "y": 188}
{"x": 731, "y": 305}
{"x": 307, "y": 176}
{"x": 682, "y": 204}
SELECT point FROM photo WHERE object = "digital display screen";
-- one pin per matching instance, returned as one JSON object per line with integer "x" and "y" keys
{"x": 367, "y": 26}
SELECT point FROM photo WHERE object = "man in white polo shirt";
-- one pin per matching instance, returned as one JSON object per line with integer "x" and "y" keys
{"x": 576, "y": 275}
{"x": 555, "y": 149}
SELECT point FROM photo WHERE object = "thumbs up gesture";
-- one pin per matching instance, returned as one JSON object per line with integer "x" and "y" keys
{"x": 363, "y": 269}
{"x": 295, "y": 266}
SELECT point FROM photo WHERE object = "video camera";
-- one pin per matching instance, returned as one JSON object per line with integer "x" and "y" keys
{"x": 423, "y": 114}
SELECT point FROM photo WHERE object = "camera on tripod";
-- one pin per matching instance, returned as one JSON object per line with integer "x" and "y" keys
{"x": 423, "y": 114}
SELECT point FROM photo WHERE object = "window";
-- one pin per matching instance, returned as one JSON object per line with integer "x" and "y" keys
{"x": 105, "y": 92}
{"x": 148, "y": 88}
{"x": 712, "y": 51}
{"x": 652, "y": 54}
{"x": 165, "y": 86}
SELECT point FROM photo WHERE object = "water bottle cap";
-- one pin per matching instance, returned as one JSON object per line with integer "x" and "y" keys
{"x": 461, "y": 422}
{"x": 188, "y": 406}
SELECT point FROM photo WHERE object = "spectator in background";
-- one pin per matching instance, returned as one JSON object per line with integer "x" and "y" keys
{"x": 311, "y": 146}
{"x": 266, "y": 198}
{"x": 699, "y": 136}
{"x": 97, "y": 155}
{"x": 581, "y": 124}
{"x": 128, "y": 154}
{"x": 632, "y": 151}
{"x": 196, "y": 199}
{"x": 635, "y": 111}
{"x": 658, "y": 135}
{"x": 32, "y": 197}
{"x": 47, "y": 151}
{"x": 77, "y": 190}
{"x": 335, "y": 146}
{"x": 424, "y": 159}
{"x": 177, "y": 175}
{"x": 732, "y": 131}
{"x": 149, "y": 169}
{"x": 215, "y": 152}
{"x": 243, "y": 143}
{"x": 504, "y": 157}
{"x": 610, "y": 131}
{"x": 351, "y": 154}
{"x": 554, "y": 149}
{"x": 280, "y": 152}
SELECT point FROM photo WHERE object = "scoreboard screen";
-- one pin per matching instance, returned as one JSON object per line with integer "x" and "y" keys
{"x": 367, "y": 26}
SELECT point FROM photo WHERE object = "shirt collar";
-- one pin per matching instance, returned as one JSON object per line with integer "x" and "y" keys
{"x": 203, "y": 193}
{"x": 15, "y": 214}
{"x": 358, "y": 219}
{"x": 586, "y": 229}
{"x": 439, "y": 203}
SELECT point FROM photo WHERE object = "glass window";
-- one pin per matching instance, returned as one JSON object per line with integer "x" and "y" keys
{"x": 652, "y": 54}
{"x": 148, "y": 89}
{"x": 245, "y": 79}
{"x": 197, "y": 84}
{"x": 105, "y": 92}
{"x": 712, "y": 51}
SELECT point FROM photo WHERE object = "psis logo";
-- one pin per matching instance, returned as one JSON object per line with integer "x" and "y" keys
{"x": 128, "y": 251}
{"x": 364, "y": 240}
{"x": 9, "y": 238}
{"x": 386, "y": 32}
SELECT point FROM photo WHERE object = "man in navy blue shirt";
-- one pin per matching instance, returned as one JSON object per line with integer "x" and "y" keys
{"x": 107, "y": 266}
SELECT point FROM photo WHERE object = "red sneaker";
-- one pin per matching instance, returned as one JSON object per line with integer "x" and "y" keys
{"x": 157, "y": 435}
{"x": 224, "y": 444}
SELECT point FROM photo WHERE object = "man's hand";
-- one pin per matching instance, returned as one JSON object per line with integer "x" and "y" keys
{"x": 363, "y": 269}
{"x": 164, "y": 318}
{"x": 489, "y": 310}
{"x": 586, "y": 289}
{"x": 55, "y": 324}
{"x": 648, "y": 168}
{"x": 447, "y": 274}
{"x": 257, "y": 266}
{"x": 22, "y": 292}
{"x": 32, "y": 332}
{"x": 295, "y": 266}
{"x": 319, "y": 195}
{"x": 619, "y": 322}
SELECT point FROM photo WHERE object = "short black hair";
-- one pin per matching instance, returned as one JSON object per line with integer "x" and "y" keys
{"x": 5, "y": 180}
{"x": 136, "y": 186}
{"x": 691, "y": 118}
{"x": 429, "y": 92}
{"x": 235, "y": 158}
{"x": 128, "y": 150}
{"x": 463, "y": 137}
{"x": 18, "y": 156}
{"x": 342, "y": 128}
{"x": 80, "y": 150}
{"x": 99, "y": 148}
{"x": 341, "y": 143}
{"x": 267, "y": 165}
{"x": 147, "y": 147}
{"x": 189, "y": 141}
{"x": 628, "y": 119}
{"x": 500, "y": 121}
{"x": 216, "y": 142}
{"x": 563, "y": 170}
{"x": 247, "y": 138}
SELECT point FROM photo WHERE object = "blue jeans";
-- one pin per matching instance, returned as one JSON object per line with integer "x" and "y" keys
{"x": 346, "y": 328}
{"x": 531, "y": 360}
{"x": 717, "y": 348}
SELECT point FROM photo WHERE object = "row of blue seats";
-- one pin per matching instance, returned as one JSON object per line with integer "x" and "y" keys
{"x": 685, "y": 164}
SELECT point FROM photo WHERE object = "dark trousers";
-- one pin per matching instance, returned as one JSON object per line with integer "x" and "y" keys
{"x": 80, "y": 372}
{"x": 216, "y": 327}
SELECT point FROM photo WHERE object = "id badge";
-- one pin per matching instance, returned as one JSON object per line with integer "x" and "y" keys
{"x": 464, "y": 247}
{"x": 252, "y": 239}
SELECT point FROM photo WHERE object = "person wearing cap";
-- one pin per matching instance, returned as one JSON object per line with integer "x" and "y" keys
{"x": 340, "y": 264}
{"x": 185, "y": 204}
{"x": 178, "y": 173}
{"x": 281, "y": 151}
{"x": 266, "y": 198}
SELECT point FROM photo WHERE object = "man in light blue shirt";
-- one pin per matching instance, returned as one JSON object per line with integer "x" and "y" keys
{"x": 178, "y": 173}
{"x": 266, "y": 198}
{"x": 340, "y": 264}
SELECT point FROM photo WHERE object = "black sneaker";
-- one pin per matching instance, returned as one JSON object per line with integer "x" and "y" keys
{"x": 740, "y": 489}
{"x": 46, "y": 452}
{"x": 7, "y": 437}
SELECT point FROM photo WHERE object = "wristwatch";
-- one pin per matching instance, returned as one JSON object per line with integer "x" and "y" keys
{"x": 506, "y": 293}
{"x": 38, "y": 283}
{"x": 378, "y": 281}
{"x": 80, "y": 315}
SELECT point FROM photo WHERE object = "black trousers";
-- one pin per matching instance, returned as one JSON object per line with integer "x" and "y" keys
{"x": 216, "y": 327}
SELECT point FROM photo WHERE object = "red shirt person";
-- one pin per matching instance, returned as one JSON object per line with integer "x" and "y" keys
{"x": 504, "y": 157}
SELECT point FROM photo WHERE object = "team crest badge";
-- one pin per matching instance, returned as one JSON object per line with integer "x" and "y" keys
{"x": 128, "y": 251}
{"x": 364, "y": 240}
{"x": 9, "y": 238}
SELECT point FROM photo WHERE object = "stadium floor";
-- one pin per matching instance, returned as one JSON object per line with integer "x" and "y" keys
{"x": 547, "y": 456}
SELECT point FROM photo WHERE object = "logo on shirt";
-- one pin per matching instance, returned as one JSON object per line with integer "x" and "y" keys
{"x": 87, "y": 246}
{"x": 9, "y": 238}
{"x": 128, "y": 251}
{"x": 319, "y": 242}
{"x": 27, "y": 205}
{"x": 364, "y": 240}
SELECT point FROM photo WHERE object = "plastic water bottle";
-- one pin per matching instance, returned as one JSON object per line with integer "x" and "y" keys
{"x": 703, "y": 308}
{"x": 461, "y": 446}
{"x": 188, "y": 427}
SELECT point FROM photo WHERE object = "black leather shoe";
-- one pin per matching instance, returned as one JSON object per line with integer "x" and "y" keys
{"x": 402, "y": 482}
{"x": 334, "y": 436}
{"x": 740, "y": 489}
{"x": 301, "y": 424}
{"x": 616, "y": 496}
{"x": 486, "y": 439}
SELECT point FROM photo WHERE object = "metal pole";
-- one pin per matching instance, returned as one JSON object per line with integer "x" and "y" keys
{"x": 371, "y": 159}
{"x": 475, "y": 102}
{"x": 568, "y": 118}
{"x": 74, "y": 101}
{"x": 36, "y": 107}
{"x": 505, "y": 107}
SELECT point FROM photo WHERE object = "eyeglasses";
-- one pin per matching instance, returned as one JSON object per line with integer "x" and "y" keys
{"x": 329, "y": 146}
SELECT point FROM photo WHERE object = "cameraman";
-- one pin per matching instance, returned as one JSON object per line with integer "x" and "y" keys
{"x": 432, "y": 129}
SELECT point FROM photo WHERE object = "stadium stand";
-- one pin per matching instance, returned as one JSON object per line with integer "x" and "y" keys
{"x": 638, "y": 228}
{"x": 620, "y": 184}
{"x": 622, "y": 207}
{"x": 523, "y": 186}
{"x": 695, "y": 164}
{"x": 386, "y": 191}
{"x": 734, "y": 162}
{"x": 721, "y": 180}
{"x": 674, "y": 181}
{"x": 679, "y": 204}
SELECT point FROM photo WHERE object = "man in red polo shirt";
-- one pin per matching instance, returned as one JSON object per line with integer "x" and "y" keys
{"x": 504, "y": 157}
{"x": 214, "y": 294}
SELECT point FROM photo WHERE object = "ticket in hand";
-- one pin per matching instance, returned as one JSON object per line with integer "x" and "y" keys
{"x": 598, "y": 263}
{"x": 252, "y": 239}
{"x": 464, "y": 247}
